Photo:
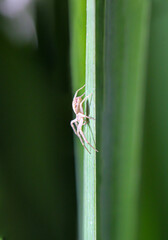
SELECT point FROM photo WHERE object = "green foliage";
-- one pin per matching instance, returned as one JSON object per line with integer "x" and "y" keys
{"x": 124, "y": 53}
{"x": 77, "y": 12}
{"x": 119, "y": 49}
{"x": 154, "y": 194}
{"x": 128, "y": 70}
{"x": 89, "y": 202}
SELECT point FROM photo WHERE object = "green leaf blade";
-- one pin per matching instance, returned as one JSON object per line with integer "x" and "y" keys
{"x": 90, "y": 132}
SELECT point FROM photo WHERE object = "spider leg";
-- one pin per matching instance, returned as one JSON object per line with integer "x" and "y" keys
{"x": 83, "y": 143}
{"x": 83, "y": 115}
{"x": 85, "y": 122}
{"x": 81, "y": 132}
{"x": 79, "y": 125}
{"x": 85, "y": 98}
{"x": 72, "y": 125}
{"x": 81, "y": 139}
{"x": 84, "y": 101}
{"x": 78, "y": 91}
{"x": 82, "y": 94}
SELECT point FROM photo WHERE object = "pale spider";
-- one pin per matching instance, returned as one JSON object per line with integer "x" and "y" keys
{"x": 79, "y": 120}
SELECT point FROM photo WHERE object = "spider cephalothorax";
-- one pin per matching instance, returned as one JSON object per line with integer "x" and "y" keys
{"x": 79, "y": 120}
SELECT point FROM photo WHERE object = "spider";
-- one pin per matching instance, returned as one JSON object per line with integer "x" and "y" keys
{"x": 79, "y": 120}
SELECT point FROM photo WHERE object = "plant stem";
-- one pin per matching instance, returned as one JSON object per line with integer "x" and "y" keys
{"x": 89, "y": 212}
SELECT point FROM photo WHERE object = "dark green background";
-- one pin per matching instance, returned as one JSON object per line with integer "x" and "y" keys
{"x": 37, "y": 180}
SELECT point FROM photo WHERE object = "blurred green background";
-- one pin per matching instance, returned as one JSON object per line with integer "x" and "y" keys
{"x": 37, "y": 179}
{"x": 42, "y": 64}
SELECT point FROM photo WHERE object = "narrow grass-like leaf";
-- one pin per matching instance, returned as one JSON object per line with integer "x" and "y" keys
{"x": 130, "y": 30}
{"x": 125, "y": 41}
{"x": 102, "y": 218}
{"x": 154, "y": 194}
{"x": 77, "y": 42}
{"x": 77, "y": 57}
{"x": 90, "y": 131}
